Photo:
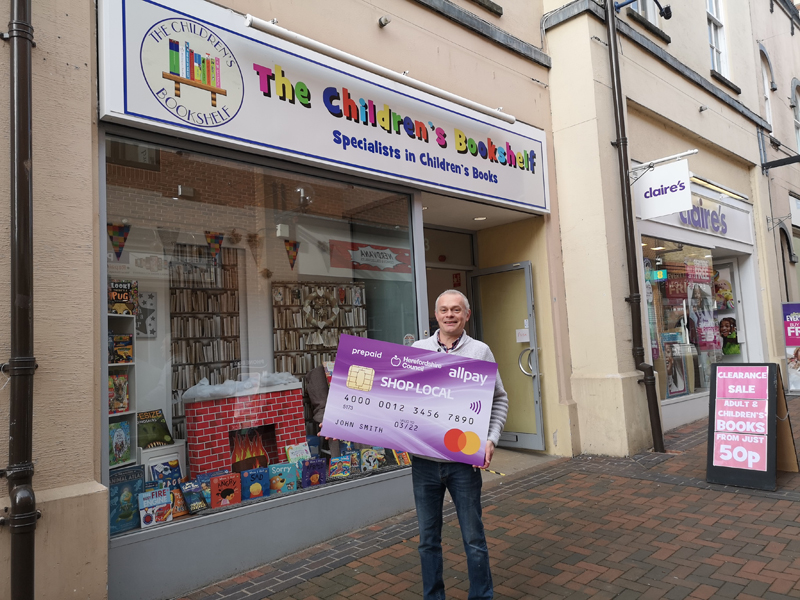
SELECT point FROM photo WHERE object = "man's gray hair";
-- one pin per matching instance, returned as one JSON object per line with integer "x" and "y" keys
{"x": 457, "y": 293}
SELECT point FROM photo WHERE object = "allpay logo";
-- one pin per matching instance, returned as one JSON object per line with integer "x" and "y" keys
{"x": 191, "y": 72}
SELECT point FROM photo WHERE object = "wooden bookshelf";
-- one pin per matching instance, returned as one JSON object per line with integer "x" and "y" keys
{"x": 204, "y": 321}
{"x": 298, "y": 310}
{"x": 123, "y": 325}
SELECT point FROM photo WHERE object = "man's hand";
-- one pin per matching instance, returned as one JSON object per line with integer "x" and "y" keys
{"x": 489, "y": 454}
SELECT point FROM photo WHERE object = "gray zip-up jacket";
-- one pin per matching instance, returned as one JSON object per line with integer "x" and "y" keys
{"x": 472, "y": 348}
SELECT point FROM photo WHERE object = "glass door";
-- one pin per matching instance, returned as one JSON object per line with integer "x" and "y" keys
{"x": 727, "y": 302}
{"x": 503, "y": 318}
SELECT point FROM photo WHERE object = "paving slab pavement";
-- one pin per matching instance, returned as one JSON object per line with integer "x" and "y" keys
{"x": 647, "y": 526}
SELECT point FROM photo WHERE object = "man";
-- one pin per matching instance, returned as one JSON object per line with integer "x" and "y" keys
{"x": 431, "y": 477}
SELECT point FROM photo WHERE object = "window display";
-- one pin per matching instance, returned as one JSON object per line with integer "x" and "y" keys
{"x": 691, "y": 314}
{"x": 229, "y": 285}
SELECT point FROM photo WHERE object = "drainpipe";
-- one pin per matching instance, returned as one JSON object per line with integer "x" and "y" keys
{"x": 22, "y": 516}
{"x": 635, "y": 298}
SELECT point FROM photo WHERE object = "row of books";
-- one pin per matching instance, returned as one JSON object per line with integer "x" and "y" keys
{"x": 190, "y": 352}
{"x": 185, "y": 62}
{"x": 295, "y": 294}
{"x": 207, "y": 327}
{"x": 292, "y": 340}
{"x": 297, "y": 317}
{"x": 297, "y": 364}
{"x": 202, "y": 276}
{"x": 193, "y": 253}
{"x": 186, "y": 376}
{"x": 201, "y": 301}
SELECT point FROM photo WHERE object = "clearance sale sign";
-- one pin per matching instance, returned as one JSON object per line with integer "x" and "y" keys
{"x": 749, "y": 431}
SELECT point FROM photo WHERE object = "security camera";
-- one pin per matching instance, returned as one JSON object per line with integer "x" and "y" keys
{"x": 666, "y": 12}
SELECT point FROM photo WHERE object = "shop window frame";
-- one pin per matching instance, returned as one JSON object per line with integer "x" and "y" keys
{"x": 107, "y": 131}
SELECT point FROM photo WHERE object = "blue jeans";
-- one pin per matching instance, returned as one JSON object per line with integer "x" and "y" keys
{"x": 430, "y": 480}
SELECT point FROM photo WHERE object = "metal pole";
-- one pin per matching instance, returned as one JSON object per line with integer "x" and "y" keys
{"x": 635, "y": 298}
{"x": 21, "y": 366}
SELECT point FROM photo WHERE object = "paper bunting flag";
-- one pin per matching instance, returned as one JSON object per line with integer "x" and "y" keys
{"x": 291, "y": 251}
{"x": 118, "y": 235}
{"x": 214, "y": 241}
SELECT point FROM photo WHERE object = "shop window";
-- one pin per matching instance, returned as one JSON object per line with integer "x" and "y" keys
{"x": 691, "y": 307}
{"x": 716, "y": 37}
{"x": 229, "y": 286}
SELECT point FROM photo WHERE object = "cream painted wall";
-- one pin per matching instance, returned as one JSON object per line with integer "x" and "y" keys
{"x": 66, "y": 418}
{"x": 526, "y": 240}
{"x": 432, "y": 48}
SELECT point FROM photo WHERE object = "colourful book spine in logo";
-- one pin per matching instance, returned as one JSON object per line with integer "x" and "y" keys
{"x": 212, "y": 78}
{"x": 190, "y": 74}
{"x": 219, "y": 79}
{"x": 198, "y": 68}
{"x": 174, "y": 58}
{"x": 205, "y": 70}
{"x": 185, "y": 73}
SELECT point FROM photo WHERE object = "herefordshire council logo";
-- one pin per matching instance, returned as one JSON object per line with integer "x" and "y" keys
{"x": 191, "y": 72}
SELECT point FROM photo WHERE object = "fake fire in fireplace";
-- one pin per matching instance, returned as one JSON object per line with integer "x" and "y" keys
{"x": 247, "y": 448}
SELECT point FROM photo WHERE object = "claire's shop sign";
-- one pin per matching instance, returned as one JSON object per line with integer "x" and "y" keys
{"x": 711, "y": 219}
{"x": 195, "y": 69}
{"x": 663, "y": 190}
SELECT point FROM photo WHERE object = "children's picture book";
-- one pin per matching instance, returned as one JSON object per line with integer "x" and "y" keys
{"x": 315, "y": 472}
{"x": 297, "y": 452}
{"x": 124, "y": 487}
{"x": 380, "y": 456}
{"x": 255, "y": 483}
{"x": 226, "y": 489}
{"x": 282, "y": 478}
{"x": 340, "y": 467}
{"x": 123, "y": 297}
{"x": 369, "y": 459}
{"x": 155, "y": 507}
{"x": 402, "y": 458}
{"x": 120, "y": 348}
{"x": 117, "y": 393}
{"x": 204, "y": 481}
{"x": 152, "y": 430}
{"x": 355, "y": 461}
{"x": 193, "y": 496}
{"x": 179, "y": 507}
{"x": 119, "y": 443}
{"x": 391, "y": 458}
{"x": 167, "y": 471}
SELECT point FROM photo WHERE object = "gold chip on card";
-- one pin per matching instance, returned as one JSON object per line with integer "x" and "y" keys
{"x": 360, "y": 378}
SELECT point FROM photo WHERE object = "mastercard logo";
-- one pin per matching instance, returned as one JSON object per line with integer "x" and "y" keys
{"x": 466, "y": 442}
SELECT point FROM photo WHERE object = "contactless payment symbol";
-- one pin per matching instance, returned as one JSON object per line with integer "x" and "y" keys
{"x": 466, "y": 442}
{"x": 360, "y": 378}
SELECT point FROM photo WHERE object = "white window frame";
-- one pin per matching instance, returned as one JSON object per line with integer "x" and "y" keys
{"x": 647, "y": 9}
{"x": 796, "y": 110}
{"x": 716, "y": 37}
{"x": 765, "y": 81}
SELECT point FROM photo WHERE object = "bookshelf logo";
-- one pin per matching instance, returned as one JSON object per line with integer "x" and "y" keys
{"x": 192, "y": 73}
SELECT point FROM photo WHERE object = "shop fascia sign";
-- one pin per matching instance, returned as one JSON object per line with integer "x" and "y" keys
{"x": 664, "y": 189}
{"x": 195, "y": 69}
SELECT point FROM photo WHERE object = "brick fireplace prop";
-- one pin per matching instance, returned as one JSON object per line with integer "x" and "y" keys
{"x": 209, "y": 423}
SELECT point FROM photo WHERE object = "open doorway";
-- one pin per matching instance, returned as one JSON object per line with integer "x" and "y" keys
{"x": 502, "y": 308}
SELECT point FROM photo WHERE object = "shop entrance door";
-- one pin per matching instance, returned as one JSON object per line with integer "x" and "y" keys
{"x": 729, "y": 310}
{"x": 503, "y": 318}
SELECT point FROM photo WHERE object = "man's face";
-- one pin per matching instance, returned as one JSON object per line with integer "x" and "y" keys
{"x": 451, "y": 314}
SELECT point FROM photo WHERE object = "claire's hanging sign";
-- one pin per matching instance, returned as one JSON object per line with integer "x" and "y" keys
{"x": 196, "y": 67}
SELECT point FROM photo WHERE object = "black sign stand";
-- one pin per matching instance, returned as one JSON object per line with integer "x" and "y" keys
{"x": 781, "y": 452}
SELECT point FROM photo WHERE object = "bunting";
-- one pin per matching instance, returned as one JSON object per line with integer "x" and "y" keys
{"x": 214, "y": 241}
{"x": 291, "y": 251}
{"x": 118, "y": 235}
